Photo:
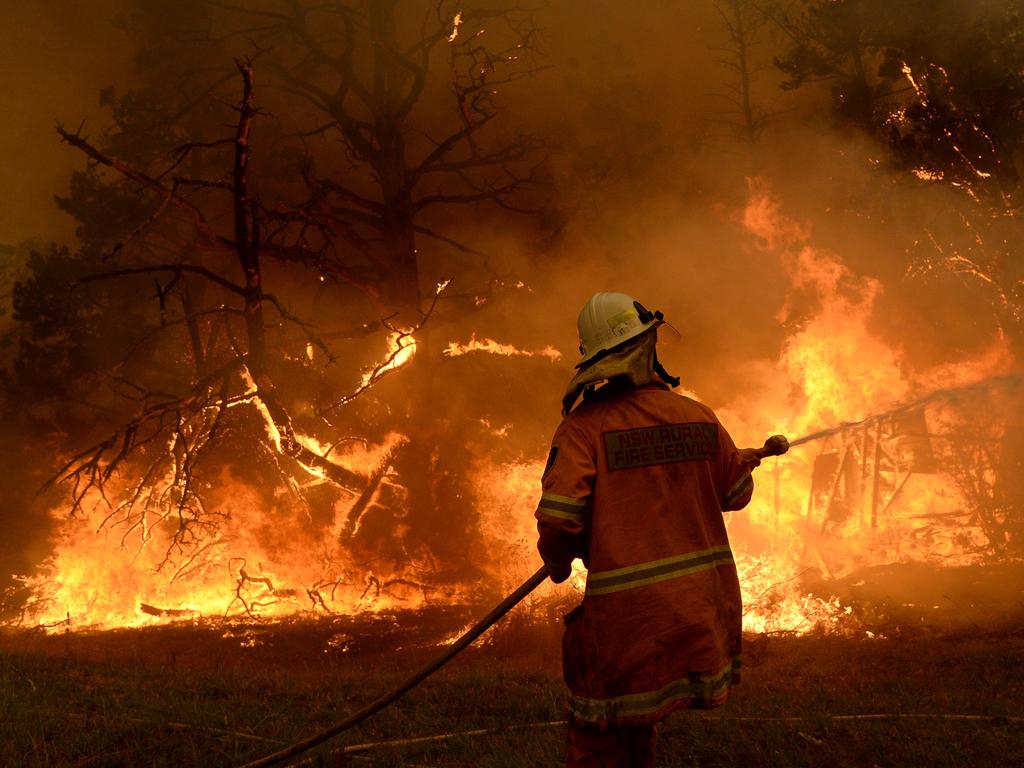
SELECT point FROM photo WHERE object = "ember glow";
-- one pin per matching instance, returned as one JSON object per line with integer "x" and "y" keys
{"x": 456, "y": 23}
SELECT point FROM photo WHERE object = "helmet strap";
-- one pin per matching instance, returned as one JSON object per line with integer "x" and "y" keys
{"x": 668, "y": 378}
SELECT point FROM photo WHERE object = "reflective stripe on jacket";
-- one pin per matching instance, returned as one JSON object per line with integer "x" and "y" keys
{"x": 636, "y": 484}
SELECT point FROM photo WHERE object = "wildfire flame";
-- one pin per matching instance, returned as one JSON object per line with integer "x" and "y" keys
{"x": 492, "y": 347}
{"x": 456, "y": 23}
{"x": 806, "y": 520}
{"x": 401, "y": 348}
{"x": 861, "y": 493}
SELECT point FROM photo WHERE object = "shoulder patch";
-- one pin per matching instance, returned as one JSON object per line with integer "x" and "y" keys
{"x": 552, "y": 456}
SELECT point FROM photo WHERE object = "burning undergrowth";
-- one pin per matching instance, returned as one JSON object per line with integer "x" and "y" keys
{"x": 890, "y": 467}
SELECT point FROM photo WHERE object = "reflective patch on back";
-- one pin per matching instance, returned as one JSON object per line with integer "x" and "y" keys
{"x": 552, "y": 456}
{"x": 665, "y": 444}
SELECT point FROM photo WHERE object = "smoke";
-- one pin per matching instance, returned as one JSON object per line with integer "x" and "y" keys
{"x": 54, "y": 59}
{"x": 650, "y": 181}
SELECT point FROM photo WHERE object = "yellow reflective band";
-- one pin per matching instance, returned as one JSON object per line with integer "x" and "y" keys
{"x": 701, "y": 691}
{"x": 549, "y": 512}
{"x": 634, "y": 576}
{"x": 741, "y": 487}
{"x": 564, "y": 507}
{"x": 563, "y": 500}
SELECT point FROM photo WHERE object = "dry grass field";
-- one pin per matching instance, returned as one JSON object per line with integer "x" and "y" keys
{"x": 223, "y": 694}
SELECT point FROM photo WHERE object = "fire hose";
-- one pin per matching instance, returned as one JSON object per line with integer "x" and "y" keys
{"x": 775, "y": 445}
{"x": 454, "y": 650}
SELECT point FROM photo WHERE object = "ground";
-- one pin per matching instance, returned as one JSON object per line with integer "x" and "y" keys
{"x": 225, "y": 694}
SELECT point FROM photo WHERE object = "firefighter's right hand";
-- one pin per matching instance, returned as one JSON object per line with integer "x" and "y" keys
{"x": 559, "y": 573}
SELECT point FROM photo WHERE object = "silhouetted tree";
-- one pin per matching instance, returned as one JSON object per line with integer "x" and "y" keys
{"x": 166, "y": 345}
{"x": 745, "y": 23}
{"x": 386, "y": 114}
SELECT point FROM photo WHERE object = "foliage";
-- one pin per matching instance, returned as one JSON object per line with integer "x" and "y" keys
{"x": 940, "y": 86}
{"x": 984, "y": 461}
{"x": 941, "y": 82}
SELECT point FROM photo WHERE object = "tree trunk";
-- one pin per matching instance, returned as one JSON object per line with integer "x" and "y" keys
{"x": 401, "y": 289}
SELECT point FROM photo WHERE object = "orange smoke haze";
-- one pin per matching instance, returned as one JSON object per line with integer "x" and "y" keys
{"x": 790, "y": 291}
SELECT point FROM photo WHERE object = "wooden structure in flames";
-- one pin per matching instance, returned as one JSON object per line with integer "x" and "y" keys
{"x": 943, "y": 475}
{"x": 864, "y": 476}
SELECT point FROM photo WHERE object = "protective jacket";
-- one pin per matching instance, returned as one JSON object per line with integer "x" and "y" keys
{"x": 636, "y": 483}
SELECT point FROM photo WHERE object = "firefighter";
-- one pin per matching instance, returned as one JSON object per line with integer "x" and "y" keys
{"x": 635, "y": 485}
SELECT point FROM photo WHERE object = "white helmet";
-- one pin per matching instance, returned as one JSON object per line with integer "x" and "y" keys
{"x": 609, "y": 319}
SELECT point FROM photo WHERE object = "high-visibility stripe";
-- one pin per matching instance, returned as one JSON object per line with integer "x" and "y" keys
{"x": 601, "y": 583}
{"x": 565, "y": 507}
{"x": 743, "y": 485}
{"x": 697, "y": 691}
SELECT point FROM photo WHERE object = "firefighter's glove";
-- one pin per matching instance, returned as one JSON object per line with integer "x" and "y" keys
{"x": 559, "y": 573}
{"x": 749, "y": 458}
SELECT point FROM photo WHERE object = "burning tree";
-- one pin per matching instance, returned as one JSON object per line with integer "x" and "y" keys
{"x": 985, "y": 439}
{"x": 191, "y": 421}
{"x": 171, "y": 317}
{"x": 939, "y": 87}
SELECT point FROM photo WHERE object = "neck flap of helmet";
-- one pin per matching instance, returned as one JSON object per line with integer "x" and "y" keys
{"x": 632, "y": 364}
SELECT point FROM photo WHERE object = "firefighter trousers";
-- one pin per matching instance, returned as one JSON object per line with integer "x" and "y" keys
{"x": 625, "y": 747}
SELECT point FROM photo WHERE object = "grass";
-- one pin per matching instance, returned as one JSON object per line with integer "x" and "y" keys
{"x": 220, "y": 696}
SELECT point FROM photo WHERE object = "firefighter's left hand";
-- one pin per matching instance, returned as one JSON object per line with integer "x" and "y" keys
{"x": 559, "y": 573}
{"x": 749, "y": 457}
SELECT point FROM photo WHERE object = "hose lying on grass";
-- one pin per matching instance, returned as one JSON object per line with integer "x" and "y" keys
{"x": 370, "y": 709}
{"x": 368, "y": 746}
{"x": 351, "y": 749}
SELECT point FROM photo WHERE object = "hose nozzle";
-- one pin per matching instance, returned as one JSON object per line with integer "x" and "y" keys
{"x": 776, "y": 445}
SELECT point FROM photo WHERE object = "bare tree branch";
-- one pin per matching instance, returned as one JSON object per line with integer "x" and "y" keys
{"x": 146, "y": 181}
{"x": 194, "y": 269}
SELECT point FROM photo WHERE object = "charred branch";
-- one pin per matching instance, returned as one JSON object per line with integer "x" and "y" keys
{"x": 345, "y": 478}
{"x": 402, "y": 340}
{"x": 171, "y": 437}
{"x": 307, "y": 328}
{"x": 256, "y": 592}
{"x": 165, "y": 613}
{"x": 147, "y": 182}
{"x": 166, "y": 440}
{"x": 459, "y": 246}
{"x": 177, "y": 269}
{"x": 357, "y": 510}
{"x": 316, "y": 593}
